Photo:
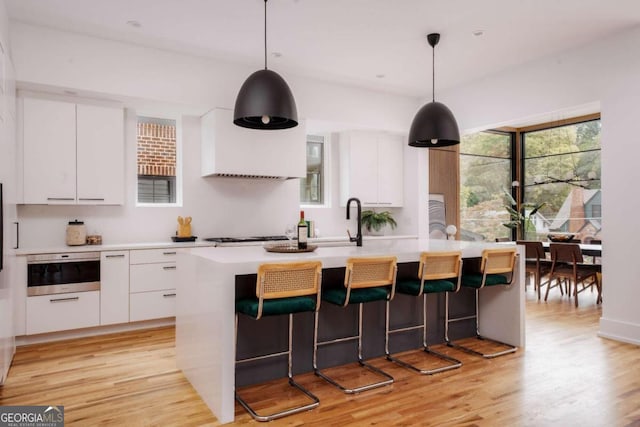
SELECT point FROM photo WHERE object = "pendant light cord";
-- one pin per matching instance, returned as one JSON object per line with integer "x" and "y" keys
{"x": 433, "y": 74}
{"x": 265, "y": 34}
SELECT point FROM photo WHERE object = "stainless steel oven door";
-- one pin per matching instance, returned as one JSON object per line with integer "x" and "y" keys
{"x": 62, "y": 273}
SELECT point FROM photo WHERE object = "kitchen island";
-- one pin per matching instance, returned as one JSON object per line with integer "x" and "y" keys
{"x": 205, "y": 312}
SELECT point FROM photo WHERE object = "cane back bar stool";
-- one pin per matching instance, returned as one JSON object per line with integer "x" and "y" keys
{"x": 366, "y": 280}
{"x": 437, "y": 272}
{"x": 282, "y": 288}
{"x": 497, "y": 268}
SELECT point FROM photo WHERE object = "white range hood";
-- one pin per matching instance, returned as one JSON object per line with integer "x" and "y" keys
{"x": 235, "y": 152}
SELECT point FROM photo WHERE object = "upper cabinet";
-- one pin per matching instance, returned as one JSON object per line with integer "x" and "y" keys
{"x": 73, "y": 153}
{"x": 371, "y": 168}
{"x": 230, "y": 150}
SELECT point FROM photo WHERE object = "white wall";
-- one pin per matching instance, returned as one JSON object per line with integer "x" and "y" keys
{"x": 153, "y": 81}
{"x": 608, "y": 73}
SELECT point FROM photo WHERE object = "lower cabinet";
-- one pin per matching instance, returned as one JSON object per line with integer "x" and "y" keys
{"x": 114, "y": 287}
{"x": 152, "y": 284}
{"x": 152, "y": 305}
{"x": 49, "y": 313}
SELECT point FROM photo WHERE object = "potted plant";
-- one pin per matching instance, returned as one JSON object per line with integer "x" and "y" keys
{"x": 374, "y": 222}
{"x": 521, "y": 220}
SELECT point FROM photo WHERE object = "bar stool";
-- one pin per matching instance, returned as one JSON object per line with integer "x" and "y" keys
{"x": 497, "y": 268}
{"x": 366, "y": 280}
{"x": 282, "y": 288}
{"x": 437, "y": 272}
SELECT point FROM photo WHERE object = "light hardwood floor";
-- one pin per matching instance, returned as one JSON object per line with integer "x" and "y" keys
{"x": 566, "y": 376}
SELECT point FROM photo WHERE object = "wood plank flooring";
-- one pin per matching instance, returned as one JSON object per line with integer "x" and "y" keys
{"x": 566, "y": 376}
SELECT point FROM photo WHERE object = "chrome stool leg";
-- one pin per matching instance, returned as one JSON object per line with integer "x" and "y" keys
{"x": 268, "y": 417}
{"x": 453, "y": 363}
{"x": 388, "y": 379}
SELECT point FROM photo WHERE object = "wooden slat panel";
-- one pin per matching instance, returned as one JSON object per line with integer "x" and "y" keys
{"x": 444, "y": 178}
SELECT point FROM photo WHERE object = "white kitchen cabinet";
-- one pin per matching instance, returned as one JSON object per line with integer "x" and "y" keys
{"x": 371, "y": 168}
{"x": 152, "y": 284}
{"x": 100, "y": 150}
{"x": 153, "y": 305}
{"x": 49, "y": 313}
{"x": 114, "y": 287}
{"x": 49, "y": 139}
{"x": 73, "y": 153}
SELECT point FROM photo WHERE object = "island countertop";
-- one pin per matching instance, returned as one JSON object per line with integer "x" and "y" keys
{"x": 205, "y": 304}
{"x": 246, "y": 258}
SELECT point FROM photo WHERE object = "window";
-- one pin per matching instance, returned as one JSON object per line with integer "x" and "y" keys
{"x": 313, "y": 187}
{"x": 157, "y": 160}
{"x": 562, "y": 170}
{"x": 485, "y": 174}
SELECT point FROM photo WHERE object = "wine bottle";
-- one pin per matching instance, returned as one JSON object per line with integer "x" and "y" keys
{"x": 302, "y": 232}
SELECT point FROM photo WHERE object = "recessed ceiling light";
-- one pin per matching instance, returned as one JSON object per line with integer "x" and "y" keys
{"x": 134, "y": 24}
{"x": 478, "y": 33}
{"x": 380, "y": 76}
{"x": 276, "y": 54}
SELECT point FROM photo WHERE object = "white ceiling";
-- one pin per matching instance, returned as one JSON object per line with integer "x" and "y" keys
{"x": 349, "y": 41}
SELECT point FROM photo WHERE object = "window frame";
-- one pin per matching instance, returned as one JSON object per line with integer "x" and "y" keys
{"x": 325, "y": 174}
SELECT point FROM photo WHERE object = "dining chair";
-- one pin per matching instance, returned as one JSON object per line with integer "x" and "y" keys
{"x": 536, "y": 264}
{"x": 366, "y": 279}
{"x": 567, "y": 264}
{"x": 438, "y": 272}
{"x": 497, "y": 268}
{"x": 282, "y": 288}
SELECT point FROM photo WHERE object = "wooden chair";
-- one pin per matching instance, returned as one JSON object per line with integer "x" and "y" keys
{"x": 366, "y": 280}
{"x": 536, "y": 263}
{"x": 438, "y": 272}
{"x": 282, "y": 288}
{"x": 567, "y": 264}
{"x": 496, "y": 269}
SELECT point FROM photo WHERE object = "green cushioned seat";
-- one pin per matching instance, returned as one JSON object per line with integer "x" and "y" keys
{"x": 337, "y": 296}
{"x": 272, "y": 307}
{"x": 475, "y": 280}
{"x": 412, "y": 286}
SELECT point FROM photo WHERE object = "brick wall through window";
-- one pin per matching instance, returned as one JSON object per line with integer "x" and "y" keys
{"x": 156, "y": 149}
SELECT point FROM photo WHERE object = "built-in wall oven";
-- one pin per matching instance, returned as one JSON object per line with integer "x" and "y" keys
{"x": 63, "y": 273}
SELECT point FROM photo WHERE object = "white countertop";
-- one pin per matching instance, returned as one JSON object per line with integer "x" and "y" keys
{"x": 198, "y": 243}
{"x": 407, "y": 250}
{"x": 110, "y": 247}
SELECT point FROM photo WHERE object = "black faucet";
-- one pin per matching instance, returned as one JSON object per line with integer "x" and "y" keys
{"x": 358, "y": 238}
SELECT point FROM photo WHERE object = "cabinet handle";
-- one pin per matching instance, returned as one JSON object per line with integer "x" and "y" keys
{"x": 169, "y": 295}
{"x": 60, "y": 198}
{"x": 17, "y": 235}
{"x": 169, "y": 253}
{"x": 115, "y": 256}
{"x": 172, "y": 267}
{"x": 64, "y": 299}
{"x": 384, "y": 203}
{"x": 92, "y": 199}
{"x": 371, "y": 203}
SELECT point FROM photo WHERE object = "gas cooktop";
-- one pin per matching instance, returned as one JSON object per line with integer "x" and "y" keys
{"x": 245, "y": 239}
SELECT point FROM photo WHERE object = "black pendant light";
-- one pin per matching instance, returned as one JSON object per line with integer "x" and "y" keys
{"x": 265, "y": 100}
{"x": 434, "y": 125}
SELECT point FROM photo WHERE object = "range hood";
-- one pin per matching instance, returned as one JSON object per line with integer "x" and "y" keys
{"x": 230, "y": 151}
